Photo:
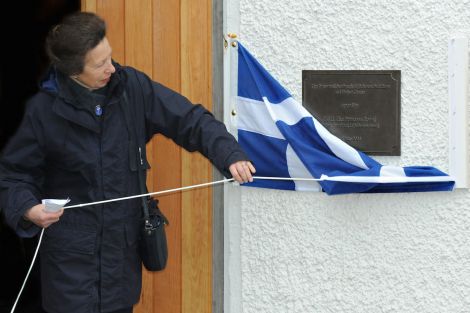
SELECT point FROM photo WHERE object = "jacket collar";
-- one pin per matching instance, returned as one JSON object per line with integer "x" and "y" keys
{"x": 71, "y": 102}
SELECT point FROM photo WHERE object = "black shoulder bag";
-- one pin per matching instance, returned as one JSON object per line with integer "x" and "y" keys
{"x": 152, "y": 244}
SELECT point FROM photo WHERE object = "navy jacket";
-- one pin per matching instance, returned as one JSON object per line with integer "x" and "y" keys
{"x": 89, "y": 259}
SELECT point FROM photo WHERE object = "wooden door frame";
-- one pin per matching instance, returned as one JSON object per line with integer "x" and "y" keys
{"x": 120, "y": 25}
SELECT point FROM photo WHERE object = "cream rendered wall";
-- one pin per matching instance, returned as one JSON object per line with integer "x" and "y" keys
{"x": 309, "y": 252}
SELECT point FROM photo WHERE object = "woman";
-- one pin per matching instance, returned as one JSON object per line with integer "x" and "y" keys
{"x": 74, "y": 142}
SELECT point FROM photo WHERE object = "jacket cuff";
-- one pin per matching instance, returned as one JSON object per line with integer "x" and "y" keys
{"x": 233, "y": 158}
{"x": 24, "y": 223}
{"x": 23, "y": 227}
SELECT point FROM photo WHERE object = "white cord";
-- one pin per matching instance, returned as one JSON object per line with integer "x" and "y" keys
{"x": 29, "y": 271}
{"x": 149, "y": 194}
{"x": 106, "y": 201}
{"x": 187, "y": 188}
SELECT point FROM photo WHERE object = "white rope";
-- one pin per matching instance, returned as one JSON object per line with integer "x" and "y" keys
{"x": 29, "y": 271}
{"x": 322, "y": 178}
{"x": 287, "y": 178}
{"x": 106, "y": 201}
{"x": 150, "y": 193}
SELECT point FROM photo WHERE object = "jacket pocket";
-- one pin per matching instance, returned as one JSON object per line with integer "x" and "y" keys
{"x": 60, "y": 237}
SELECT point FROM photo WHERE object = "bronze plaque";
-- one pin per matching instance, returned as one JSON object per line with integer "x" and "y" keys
{"x": 360, "y": 107}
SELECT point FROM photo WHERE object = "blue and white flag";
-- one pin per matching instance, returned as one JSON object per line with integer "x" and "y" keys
{"x": 284, "y": 140}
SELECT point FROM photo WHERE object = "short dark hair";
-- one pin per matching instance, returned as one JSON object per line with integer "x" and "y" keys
{"x": 68, "y": 42}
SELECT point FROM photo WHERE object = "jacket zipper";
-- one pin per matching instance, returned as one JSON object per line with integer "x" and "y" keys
{"x": 101, "y": 217}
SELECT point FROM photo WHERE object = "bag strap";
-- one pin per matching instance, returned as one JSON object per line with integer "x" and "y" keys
{"x": 135, "y": 154}
{"x": 143, "y": 190}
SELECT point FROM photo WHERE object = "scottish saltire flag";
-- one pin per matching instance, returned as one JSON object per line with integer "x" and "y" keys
{"x": 284, "y": 140}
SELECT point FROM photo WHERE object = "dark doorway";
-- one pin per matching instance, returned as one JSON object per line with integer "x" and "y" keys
{"x": 23, "y": 62}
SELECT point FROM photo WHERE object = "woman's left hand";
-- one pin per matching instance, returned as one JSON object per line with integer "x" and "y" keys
{"x": 242, "y": 171}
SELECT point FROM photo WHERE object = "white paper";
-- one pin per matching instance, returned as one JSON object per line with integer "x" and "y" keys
{"x": 54, "y": 205}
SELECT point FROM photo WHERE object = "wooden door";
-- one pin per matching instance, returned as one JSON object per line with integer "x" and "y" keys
{"x": 170, "y": 40}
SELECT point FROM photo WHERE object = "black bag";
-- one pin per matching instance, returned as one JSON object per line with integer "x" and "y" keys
{"x": 153, "y": 245}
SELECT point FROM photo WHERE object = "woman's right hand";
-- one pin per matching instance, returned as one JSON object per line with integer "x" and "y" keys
{"x": 41, "y": 218}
